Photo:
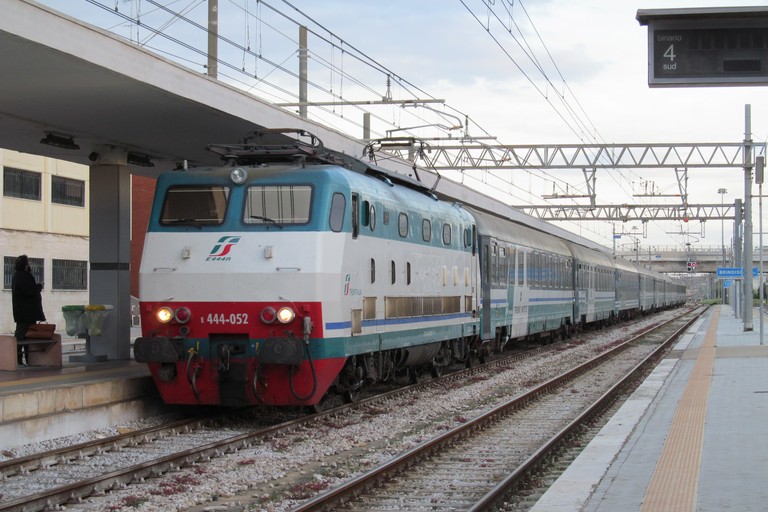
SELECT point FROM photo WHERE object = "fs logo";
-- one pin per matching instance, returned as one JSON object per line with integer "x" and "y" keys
{"x": 221, "y": 250}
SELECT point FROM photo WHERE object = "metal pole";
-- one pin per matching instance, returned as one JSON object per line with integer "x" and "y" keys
{"x": 737, "y": 296}
{"x": 749, "y": 251}
{"x": 213, "y": 37}
{"x": 722, "y": 193}
{"x": 759, "y": 169}
{"x": 303, "y": 72}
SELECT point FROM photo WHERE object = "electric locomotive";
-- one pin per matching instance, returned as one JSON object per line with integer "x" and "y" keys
{"x": 277, "y": 283}
{"x": 294, "y": 272}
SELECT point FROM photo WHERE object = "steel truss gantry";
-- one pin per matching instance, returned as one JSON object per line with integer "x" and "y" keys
{"x": 474, "y": 155}
{"x": 471, "y": 154}
{"x": 630, "y": 212}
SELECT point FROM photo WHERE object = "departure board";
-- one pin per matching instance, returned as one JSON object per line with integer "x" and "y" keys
{"x": 687, "y": 48}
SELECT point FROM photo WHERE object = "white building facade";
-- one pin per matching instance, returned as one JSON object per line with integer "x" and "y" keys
{"x": 44, "y": 214}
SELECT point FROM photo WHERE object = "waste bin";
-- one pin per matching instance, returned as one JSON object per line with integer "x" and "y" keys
{"x": 84, "y": 322}
{"x": 73, "y": 317}
{"x": 94, "y": 315}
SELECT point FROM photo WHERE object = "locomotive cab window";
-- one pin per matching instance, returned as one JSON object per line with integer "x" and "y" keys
{"x": 280, "y": 204}
{"x": 336, "y": 219}
{"x": 194, "y": 205}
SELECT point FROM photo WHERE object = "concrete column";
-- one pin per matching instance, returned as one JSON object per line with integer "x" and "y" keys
{"x": 110, "y": 257}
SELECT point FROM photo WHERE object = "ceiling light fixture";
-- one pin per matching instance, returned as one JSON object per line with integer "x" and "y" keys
{"x": 140, "y": 160}
{"x": 59, "y": 141}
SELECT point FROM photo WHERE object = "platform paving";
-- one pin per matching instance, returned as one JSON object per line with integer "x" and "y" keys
{"x": 701, "y": 415}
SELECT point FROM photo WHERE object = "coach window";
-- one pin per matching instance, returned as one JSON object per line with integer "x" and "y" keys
{"x": 426, "y": 230}
{"x": 338, "y": 203}
{"x": 512, "y": 269}
{"x": 447, "y": 234}
{"x": 402, "y": 225}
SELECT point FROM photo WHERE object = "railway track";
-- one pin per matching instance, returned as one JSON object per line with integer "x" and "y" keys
{"x": 467, "y": 468}
{"x": 53, "y": 479}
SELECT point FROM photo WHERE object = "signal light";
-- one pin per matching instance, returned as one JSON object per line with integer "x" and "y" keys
{"x": 268, "y": 315}
{"x": 183, "y": 315}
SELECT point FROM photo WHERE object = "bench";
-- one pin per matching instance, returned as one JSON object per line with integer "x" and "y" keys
{"x": 39, "y": 352}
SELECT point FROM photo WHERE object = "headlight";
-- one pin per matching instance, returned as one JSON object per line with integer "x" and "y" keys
{"x": 285, "y": 315}
{"x": 164, "y": 315}
{"x": 238, "y": 175}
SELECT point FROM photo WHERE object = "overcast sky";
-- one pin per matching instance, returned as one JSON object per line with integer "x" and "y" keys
{"x": 452, "y": 50}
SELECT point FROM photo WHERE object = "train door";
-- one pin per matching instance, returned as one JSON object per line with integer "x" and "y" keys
{"x": 485, "y": 291}
{"x": 520, "y": 306}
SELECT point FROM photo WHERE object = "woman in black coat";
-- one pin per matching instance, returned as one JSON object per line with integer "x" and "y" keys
{"x": 26, "y": 298}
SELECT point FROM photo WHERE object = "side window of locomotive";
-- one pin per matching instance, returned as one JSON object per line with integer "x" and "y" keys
{"x": 372, "y": 217}
{"x": 447, "y": 234}
{"x": 426, "y": 230}
{"x": 356, "y": 221}
{"x": 365, "y": 218}
{"x": 402, "y": 225}
{"x": 367, "y": 213}
{"x": 278, "y": 204}
{"x": 338, "y": 205}
{"x": 195, "y": 205}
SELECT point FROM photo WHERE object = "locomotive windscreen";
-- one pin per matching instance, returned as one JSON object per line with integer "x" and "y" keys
{"x": 280, "y": 204}
{"x": 195, "y": 204}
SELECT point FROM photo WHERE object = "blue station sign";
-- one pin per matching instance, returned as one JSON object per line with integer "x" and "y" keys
{"x": 733, "y": 272}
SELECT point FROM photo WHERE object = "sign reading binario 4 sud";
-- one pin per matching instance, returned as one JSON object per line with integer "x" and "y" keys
{"x": 706, "y": 46}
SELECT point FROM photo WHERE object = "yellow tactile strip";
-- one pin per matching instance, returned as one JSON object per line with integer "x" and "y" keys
{"x": 675, "y": 480}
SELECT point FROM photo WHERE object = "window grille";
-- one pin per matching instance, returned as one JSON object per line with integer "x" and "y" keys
{"x": 70, "y": 275}
{"x": 37, "y": 265}
{"x": 67, "y": 191}
{"x": 22, "y": 184}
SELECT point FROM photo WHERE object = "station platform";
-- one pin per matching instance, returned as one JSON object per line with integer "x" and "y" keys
{"x": 40, "y": 403}
{"x": 692, "y": 437}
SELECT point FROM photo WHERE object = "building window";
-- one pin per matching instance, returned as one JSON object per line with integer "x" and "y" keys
{"x": 67, "y": 191}
{"x": 36, "y": 264}
{"x": 70, "y": 275}
{"x": 22, "y": 184}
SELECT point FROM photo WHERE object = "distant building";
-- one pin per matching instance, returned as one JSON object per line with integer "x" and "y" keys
{"x": 44, "y": 213}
